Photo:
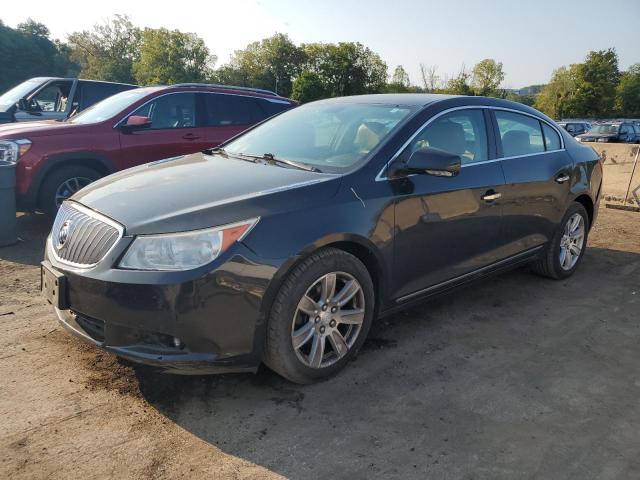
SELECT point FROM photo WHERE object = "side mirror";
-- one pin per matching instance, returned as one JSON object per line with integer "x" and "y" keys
{"x": 23, "y": 104}
{"x": 429, "y": 161}
{"x": 136, "y": 122}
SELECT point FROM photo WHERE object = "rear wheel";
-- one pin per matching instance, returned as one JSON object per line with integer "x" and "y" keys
{"x": 62, "y": 184}
{"x": 566, "y": 249}
{"x": 320, "y": 317}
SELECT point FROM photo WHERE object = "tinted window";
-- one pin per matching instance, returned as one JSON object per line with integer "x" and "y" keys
{"x": 177, "y": 110}
{"x": 606, "y": 128}
{"x": 224, "y": 110}
{"x": 273, "y": 108}
{"x": 551, "y": 137}
{"x": 520, "y": 134}
{"x": 462, "y": 133}
{"x": 331, "y": 136}
{"x": 91, "y": 92}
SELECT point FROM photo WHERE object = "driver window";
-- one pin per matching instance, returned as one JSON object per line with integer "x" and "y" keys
{"x": 177, "y": 110}
{"x": 52, "y": 98}
{"x": 462, "y": 132}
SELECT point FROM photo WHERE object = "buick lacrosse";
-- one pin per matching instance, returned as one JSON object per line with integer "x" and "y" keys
{"x": 283, "y": 245}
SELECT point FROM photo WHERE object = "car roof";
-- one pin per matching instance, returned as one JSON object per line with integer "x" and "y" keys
{"x": 409, "y": 99}
{"x": 46, "y": 79}
{"x": 228, "y": 89}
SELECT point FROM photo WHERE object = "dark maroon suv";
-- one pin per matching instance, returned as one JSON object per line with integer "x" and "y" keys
{"x": 56, "y": 159}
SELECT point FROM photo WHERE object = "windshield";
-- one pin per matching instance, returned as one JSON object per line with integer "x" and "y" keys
{"x": 606, "y": 128}
{"x": 11, "y": 97}
{"x": 332, "y": 137}
{"x": 109, "y": 107}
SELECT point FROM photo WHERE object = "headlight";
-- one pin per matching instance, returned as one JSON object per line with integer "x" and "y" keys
{"x": 184, "y": 250}
{"x": 12, "y": 150}
{"x": 603, "y": 139}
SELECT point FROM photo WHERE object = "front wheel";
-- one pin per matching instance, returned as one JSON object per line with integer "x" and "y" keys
{"x": 565, "y": 251}
{"x": 320, "y": 317}
{"x": 62, "y": 184}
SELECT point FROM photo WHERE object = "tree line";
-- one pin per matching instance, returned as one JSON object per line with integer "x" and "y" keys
{"x": 122, "y": 52}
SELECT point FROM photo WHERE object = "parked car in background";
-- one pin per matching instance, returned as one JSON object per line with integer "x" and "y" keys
{"x": 575, "y": 128}
{"x": 56, "y": 159}
{"x": 49, "y": 98}
{"x": 283, "y": 245}
{"x": 614, "y": 132}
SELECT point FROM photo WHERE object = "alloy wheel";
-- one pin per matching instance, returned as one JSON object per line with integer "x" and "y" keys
{"x": 69, "y": 187}
{"x": 328, "y": 320}
{"x": 572, "y": 241}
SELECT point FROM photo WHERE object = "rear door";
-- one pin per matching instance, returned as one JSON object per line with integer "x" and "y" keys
{"x": 538, "y": 173}
{"x": 175, "y": 130}
{"x": 448, "y": 226}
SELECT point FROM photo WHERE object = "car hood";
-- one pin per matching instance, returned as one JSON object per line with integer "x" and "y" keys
{"x": 37, "y": 129}
{"x": 199, "y": 191}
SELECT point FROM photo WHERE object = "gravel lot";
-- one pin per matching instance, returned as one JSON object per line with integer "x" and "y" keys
{"x": 515, "y": 377}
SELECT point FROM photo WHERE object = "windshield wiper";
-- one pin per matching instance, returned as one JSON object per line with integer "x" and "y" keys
{"x": 272, "y": 160}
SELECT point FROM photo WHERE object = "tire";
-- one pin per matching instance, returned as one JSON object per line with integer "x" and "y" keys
{"x": 307, "y": 281}
{"x": 56, "y": 180}
{"x": 552, "y": 264}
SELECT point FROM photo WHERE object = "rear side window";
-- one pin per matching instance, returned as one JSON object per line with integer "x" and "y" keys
{"x": 461, "y": 132}
{"x": 551, "y": 137}
{"x": 224, "y": 110}
{"x": 520, "y": 134}
{"x": 273, "y": 108}
{"x": 93, "y": 92}
{"x": 177, "y": 110}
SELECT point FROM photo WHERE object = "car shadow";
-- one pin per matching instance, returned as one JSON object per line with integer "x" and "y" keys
{"x": 480, "y": 380}
{"x": 33, "y": 229}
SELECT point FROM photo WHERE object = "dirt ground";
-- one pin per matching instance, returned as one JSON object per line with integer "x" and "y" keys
{"x": 514, "y": 377}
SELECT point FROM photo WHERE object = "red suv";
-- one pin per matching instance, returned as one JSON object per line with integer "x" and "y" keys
{"x": 56, "y": 159}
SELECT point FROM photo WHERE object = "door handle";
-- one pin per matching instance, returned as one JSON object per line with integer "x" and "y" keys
{"x": 563, "y": 177}
{"x": 491, "y": 195}
{"x": 190, "y": 136}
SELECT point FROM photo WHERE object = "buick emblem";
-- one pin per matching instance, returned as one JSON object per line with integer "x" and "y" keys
{"x": 63, "y": 234}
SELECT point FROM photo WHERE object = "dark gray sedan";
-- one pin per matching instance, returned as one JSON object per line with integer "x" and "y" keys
{"x": 284, "y": 245}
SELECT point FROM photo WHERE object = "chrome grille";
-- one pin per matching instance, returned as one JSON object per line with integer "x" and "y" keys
{"x": 81, "y": 237}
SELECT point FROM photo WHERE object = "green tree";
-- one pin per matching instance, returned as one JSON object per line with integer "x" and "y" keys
{"x": 524, "y": 99}
{"x": 308, "y": 87}
{"x": 346, "y": 68}
{"x": 27, "y": 51}
{"x": 487, "y": 76}
{"x": 400, "y": 76}
{"x": 271, "y": 63}
{"x": 108, "y": 51}
{"x": 556, "y": 98}
{"x": 171, "y": 56}
{"x": 459, "y": 85}
{"x": 596, "y": 82}
{"x": 628, "y": 92}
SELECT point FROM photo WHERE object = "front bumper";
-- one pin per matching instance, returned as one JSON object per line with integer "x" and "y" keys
{"x": 182, "y": 322}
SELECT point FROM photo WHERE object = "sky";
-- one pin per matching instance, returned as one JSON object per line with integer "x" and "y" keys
{"x": 531, "y": 38}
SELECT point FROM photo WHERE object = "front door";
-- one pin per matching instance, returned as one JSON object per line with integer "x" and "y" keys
{"x": 174, "y": 130}
{"x": 50, "y": 102}
{"x": 447, "y": 227}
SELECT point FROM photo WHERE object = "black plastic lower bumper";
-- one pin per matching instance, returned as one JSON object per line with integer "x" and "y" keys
{"x": 151, "y": 349}
{"x": 186, "y": 324}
